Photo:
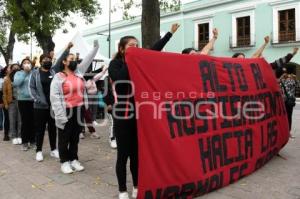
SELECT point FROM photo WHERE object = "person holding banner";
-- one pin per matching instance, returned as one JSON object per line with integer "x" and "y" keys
{"x": 124, "y": 112}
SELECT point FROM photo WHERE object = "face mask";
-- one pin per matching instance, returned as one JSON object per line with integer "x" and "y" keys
{"x": 47, "y": 65}
{"x": 73, "y": 65}
{"x": 27, "y": 66}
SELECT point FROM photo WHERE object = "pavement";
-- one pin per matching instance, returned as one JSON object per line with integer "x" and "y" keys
{"x": 21, "y": 177}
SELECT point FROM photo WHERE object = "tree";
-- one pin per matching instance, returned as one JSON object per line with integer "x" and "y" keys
{"x": 42, "y": 18}
{"x": 150, "y": 16}
{"x": 7, "y": 39}
{"x": 150, "y": 22}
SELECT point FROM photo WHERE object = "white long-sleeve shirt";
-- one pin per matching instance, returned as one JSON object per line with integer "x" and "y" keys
{"x": 91, "y": 84}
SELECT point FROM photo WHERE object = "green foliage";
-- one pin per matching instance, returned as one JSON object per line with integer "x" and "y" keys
{"x": 4, "y": 24}
{"x": 46, "y": 16}
{"x": 170, "y": 5}
{"x": 127, "y": 5}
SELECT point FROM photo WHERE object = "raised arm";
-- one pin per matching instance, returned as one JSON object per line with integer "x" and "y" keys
{"x": 211, "y": 43}
{"x": 160, "y": 44}
{"x": 56, "y": 65}
{"x": 279, "y": 63}
{"x": 101, "y": 74}
{"x": 86, "y": 62}
{"x": 19, "y": 78}
{"x": 259, "y": 52}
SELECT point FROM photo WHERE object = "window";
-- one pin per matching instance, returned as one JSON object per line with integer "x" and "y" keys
{"x": 243, "y": 31}
{"x": 287, "y": 28}
{"x": 286, "y": 23}
{"x": 203, "y": 35}
{"x": 203, "y": 32}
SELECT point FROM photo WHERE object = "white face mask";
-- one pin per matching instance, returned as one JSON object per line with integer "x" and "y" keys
{"x": 27, "y": 66}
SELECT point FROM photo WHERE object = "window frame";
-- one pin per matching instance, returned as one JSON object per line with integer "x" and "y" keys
{"x": 196, "y": 30}
{"x": 235, "y": 16}
{"x": 276, "y": 10}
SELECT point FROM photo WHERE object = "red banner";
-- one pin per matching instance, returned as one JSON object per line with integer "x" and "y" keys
{"x": 203, "y": 122}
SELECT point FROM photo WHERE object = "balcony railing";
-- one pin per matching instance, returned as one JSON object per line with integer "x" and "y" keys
{"x": 241, "y": 42}
{"x": 287, "y": 36}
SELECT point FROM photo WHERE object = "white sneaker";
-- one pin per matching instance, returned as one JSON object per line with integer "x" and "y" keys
{"x": 76, "y": 165}
{"x": 81, "y": 136}
{"x": 113, "y": 143}
{"x": 123, "y": 195}
{"x": 95, "y": 123}
{"x": 66, "y": 168}
{"x": 19, "y": 141}
{"x": 134, "y": 192}
{"x": 15, "y": 141}
{"x": 54, "y": 154}
{"x": 39, "y": 156}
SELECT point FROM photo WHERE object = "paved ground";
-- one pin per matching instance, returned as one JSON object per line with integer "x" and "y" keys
{"x": 21, "y": 177}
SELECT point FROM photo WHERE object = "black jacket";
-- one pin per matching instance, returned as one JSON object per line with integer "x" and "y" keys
{"x": 118, "y": 71}
{"x": 279, "y": 63}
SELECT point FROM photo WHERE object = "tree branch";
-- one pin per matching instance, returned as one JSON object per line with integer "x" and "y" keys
{"x": 22, "y": 10}
{"x": 2, "y": 51}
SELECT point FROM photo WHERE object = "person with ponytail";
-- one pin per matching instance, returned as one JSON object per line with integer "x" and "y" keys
{"x": 68, "y": 97}
{"x": 125, "y": 121}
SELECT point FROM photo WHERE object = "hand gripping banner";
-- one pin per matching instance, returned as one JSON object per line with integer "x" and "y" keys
{"x": 203, "y": 122}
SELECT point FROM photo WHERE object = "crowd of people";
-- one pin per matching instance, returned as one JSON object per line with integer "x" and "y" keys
{"x": 63, "y": 96}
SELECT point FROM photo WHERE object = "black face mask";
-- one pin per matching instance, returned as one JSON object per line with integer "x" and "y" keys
{"x": 73, "y": 65}
{"x": 47, "y": 65}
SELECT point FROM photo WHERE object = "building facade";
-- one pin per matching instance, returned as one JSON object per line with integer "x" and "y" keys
{"x": 242, "y": 26}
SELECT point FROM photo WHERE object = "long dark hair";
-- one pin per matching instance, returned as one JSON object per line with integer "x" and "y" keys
{"x": 61, "y": 64}
{"x": 121, "y": 46}
{"x": 238, "y": 54}
{"x": 3, "y": 72}
{"x": 13, "y": 72}
{"x": 187, "y": 50}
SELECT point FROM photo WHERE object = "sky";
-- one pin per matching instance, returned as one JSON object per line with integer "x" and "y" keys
{"x": 22, "y": 50}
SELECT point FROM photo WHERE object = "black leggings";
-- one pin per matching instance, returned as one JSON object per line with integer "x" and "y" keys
{"x": 6, "y": 122}
{"x": 27, "y": 127}
{"x": 127, "y": 142}
{"x": 42, "y": 119}
{"x": 68, "y": 138}
{"x": 289, "y": 112}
